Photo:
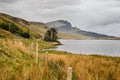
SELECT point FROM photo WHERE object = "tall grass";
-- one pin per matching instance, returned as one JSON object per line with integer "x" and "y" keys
{"x": 18, "y": 62}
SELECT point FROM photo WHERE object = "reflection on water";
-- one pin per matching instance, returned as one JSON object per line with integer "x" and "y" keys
{"x": 103, "y": 47}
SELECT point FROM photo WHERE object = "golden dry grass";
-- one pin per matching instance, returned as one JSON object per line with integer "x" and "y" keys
{"x": 89, "y": 67}
{"x": 17, "y": 62}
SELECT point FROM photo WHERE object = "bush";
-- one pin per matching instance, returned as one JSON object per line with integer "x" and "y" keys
{"x": 14, "y": 29}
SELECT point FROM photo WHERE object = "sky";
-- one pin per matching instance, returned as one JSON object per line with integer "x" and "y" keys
{"x": 101, "y": 16}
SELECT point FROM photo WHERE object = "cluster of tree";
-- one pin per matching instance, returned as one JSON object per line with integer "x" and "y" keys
{"x": 51, "y": 35}
{"x": 14, "y": 29}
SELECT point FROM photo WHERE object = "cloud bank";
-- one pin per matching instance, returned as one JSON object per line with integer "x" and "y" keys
{"x": 102, "y": 16}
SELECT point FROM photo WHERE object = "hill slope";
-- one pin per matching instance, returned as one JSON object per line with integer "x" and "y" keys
{"x": 6, "y": 34}
{"x": 66, "y": 28}
{"x": 19, "y": 24}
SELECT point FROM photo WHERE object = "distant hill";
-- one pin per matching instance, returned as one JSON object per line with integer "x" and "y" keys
{"x": 60, "y": 25}
{"x": 66, "y": 28}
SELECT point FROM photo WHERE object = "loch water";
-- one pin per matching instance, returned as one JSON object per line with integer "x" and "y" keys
{"x": 100, "y": 47}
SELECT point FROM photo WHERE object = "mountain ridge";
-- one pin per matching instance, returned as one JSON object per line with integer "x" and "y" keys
{"x": 62, "y": 25}
{"x": 38, "y": 29}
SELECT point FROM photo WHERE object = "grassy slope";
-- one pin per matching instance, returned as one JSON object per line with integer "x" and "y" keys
{"x": 6, "y": 34}
{"x": 4, "y": 18}
{"x": 38, "y": 27}
{"x": 17, "y": 62}
{"x": 64, "y": 35}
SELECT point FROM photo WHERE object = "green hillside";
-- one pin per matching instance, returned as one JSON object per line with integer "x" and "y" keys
{"x": 18, "y": 25}
{"x": 38, "y": 27}
{"x": 6, "y": 34}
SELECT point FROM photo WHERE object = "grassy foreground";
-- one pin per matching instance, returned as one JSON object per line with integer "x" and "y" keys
{"x": 18, "y": 62}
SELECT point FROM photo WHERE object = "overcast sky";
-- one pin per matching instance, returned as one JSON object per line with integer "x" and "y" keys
{"x": 102, "y": 16}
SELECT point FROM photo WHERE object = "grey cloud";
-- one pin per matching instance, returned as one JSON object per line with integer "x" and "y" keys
{"x": 8, "y": 1}
{"x": 93, "y": 15}
{"x": 109, "y": 29}
{"x": 48, "y": 4}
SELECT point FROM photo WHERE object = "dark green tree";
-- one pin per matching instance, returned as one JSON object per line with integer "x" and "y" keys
{"x": 47, "y": 36}
{"x": 4, "y": 26}
{"x": 51, "y": 35}
{"x": 26, "y": 35}
{"x": 11, "y": 27}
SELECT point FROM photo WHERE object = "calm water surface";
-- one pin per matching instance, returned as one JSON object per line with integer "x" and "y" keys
{"x": 102, "y": 47}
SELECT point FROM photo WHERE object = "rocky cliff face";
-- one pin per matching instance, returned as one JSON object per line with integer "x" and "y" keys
{"x": 62, "y": 25}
